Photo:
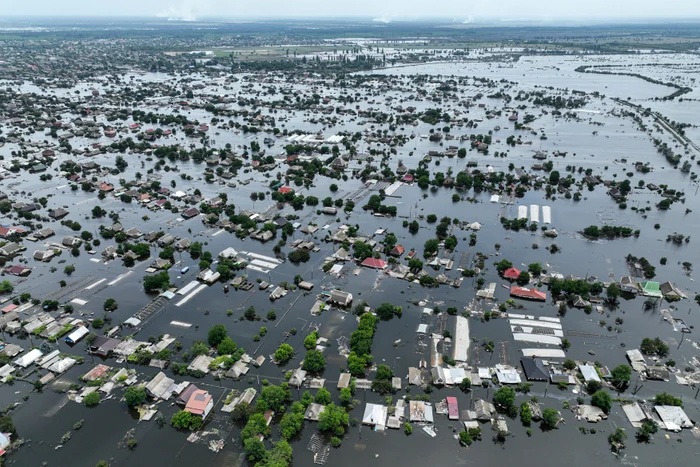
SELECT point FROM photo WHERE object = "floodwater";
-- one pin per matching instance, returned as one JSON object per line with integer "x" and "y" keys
{"x": 45, "y": 417}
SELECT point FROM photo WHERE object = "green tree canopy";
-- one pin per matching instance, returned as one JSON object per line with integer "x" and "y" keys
{"x": 216, "y": 334}
{"x": 332, "y": 418}
{"x": 602, "y": 400}
{"x": 284, "y": 353}
{"x": 134, "y": 396}
{"x": 314, "y": 361}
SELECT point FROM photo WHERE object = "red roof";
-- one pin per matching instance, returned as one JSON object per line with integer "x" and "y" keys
{"x": 531, "y": 293}
{"x": 5, "y": 231}
{"x": 408, "y": 178}
{"x": 9, "y": 308}
{"x": 452, "y": 408}
{"x": 198, "y": 402}
{"x": 284, "y": 189}
{"x": 374, "y": 263}
{"x": 398, "y": 250}
{"x": 511, "y": 273}
{"x": 17, "y": 270}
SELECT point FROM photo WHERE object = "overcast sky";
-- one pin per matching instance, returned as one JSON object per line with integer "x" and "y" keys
{"x": 460, "y": 10}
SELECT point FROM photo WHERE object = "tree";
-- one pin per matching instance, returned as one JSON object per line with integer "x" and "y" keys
{"x": 216, "y": 334}
{"x": 254, "y": 449}
{"x": 283, "y": 353}
{"x": 310, "y": 340}
{"x": 602, "y": 400}
{"x": 92, "y": 399}
{"x": 621, "y": 376}
{"x": 414, "y": 264}
{"x": 323, "y": 397}
{"x": 195, "y": 250}
{"x": 226, "y": 346}
{"x": 617, "y": 439}
{"x": 654, "y": 346}
{"x": 386, "y": 311}
{"x": 502, "y": 265}
{"x": 249, "y": 313}
{"x": 535, "y": 269}
{"x": 384, "y": 372}
{"x": 504, "y": 397}
{"x": 465, "y": 385}
{"x": 241, "y": 412}
{"x": 292, "y": 422}
{"x": 134, "y": 396}
{"x": 525, "y": 414}
{"x": 345, "y": 396}
{"x": 554, "y": 177}
{"x": 279, "y": 456}
{"x": 569, "y": 364}
{"x": 7, "y": 425}
{"x": 523, "y": 278}
{"x": 430, "y": 247}
{"x": 648, "y": 428}
{"x": 156, "y": 282}
{"x": 613, "y": 293}
{"x": 110, "y": 304}
{"x": 332, "y": 418}
{"x": 273, "y": 397}
{"x": 314, "y": 361}
{"x": 6, "y": 287}
{"x": 550, "y": 418}
{"x": 256, "y": 425}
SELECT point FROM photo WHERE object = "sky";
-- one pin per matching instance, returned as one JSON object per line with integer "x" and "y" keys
{"x": 384, "y": 10}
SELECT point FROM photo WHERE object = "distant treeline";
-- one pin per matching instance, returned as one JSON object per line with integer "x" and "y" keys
{"x": 680, "y": 90}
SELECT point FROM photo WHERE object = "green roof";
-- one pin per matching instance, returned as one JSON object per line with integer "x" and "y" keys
{"x": 651, "y": 288}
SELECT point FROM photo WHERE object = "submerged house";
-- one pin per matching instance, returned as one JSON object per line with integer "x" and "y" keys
{"x": 527, "y": 293}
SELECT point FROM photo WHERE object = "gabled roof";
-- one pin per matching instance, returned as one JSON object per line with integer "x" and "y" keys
{"x": 534, "y": 369}
{"x": 374, "y": 263}
{"x": 531, "y": 293}
{"x": 511, "y": 273}
{"x": 198, "y": 402}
